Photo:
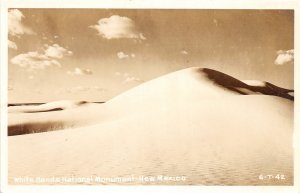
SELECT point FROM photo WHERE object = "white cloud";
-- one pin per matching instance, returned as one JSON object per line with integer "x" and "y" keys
{"x": 82, "y": 89}
{"x": 79, "y": 71}
{"x": 12, "y": 45}
{"x": 284, "y": 57}
{"x": 184, "y": 52}
{"x": 121, "y": 74}
{"x": 132, "y": 79}
{"x": 118, "y": 73}
{"x": 56, "y": 51}
{"x": 127, "y": 77}
{"x": 122, "y": 55}
{"x": 116, "y": 27}
{"x": 35, "y": 60}
{"x": 15, "y": 25}
{"x": 215, "y": 22}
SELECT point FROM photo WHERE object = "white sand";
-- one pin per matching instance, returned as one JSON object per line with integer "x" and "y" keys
{"x": 182, "y": 124}
{"x": 52, "y": 106}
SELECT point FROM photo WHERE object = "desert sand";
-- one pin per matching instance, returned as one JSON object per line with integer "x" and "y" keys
{"x": 198, "y": 123}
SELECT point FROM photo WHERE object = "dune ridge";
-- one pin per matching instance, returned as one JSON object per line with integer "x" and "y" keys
{"x": 204, "y": 82}
{"x": 245, "y": 87}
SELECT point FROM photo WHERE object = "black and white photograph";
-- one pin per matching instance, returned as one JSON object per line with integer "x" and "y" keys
{"x": 201, "y": 97}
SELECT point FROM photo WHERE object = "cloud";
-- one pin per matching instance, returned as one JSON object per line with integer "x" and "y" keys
{"x": 128, "y": 78}
{"x": 122, "y": 55}
{"x": 284, "y": 57}
{"x": 132, "y": 79}
{"x": 216, "y": 22}
{"x": 184, "y": 52}
{"x": 56, "y": 51}
{"x": 35, "y": 60}
{"x": 116, "y": 27}
{"x": 118, "y": 73}
{"x": 82, "y": 89}
{"x": 15, "y": 25}
{"x": 12, "y": 45}
{"x": 79, "y": 71}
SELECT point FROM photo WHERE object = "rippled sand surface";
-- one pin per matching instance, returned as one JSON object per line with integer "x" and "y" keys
{"x": 183, "y": 125}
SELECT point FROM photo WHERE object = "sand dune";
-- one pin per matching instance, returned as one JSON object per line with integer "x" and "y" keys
{"x": 189, "y": 84}
{"x": 52, "y": 106}
{"x": 35, "y": 119}
{"x": 198, "y": 123}
{"x": 269, "y": 89}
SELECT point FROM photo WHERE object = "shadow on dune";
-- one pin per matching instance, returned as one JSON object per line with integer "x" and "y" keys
{"x": 28, "y": 128}
{"x": 44, "y": 107}
{"x": 44, "y": 111}
{"x": 238, "y": 86}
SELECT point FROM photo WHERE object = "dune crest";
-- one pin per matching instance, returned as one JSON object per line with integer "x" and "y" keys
{"x": 246, "y": 87}
{"x": 191, "y": 84}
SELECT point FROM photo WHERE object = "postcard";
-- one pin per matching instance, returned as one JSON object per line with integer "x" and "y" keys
{"x": 149, "y": 95}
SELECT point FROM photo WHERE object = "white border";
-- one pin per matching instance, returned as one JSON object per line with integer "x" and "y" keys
{"x": 164, "y": 4}
{"x": 151, "y": 4}
{"x": 297, "y": 102}
{"x": 3, "y": 86}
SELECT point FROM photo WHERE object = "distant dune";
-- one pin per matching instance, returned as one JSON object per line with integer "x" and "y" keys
{"x": 52, "y": 106}
{"x": 197, "y": 122}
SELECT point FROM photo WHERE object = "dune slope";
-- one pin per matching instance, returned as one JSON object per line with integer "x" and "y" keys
{"x": 198, "y": 123}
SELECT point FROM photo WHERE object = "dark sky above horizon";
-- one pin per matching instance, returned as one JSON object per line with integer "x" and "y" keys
{"x": 95, "y": 54}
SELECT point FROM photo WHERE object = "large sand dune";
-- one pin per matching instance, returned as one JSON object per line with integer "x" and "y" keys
{"x": 198, "y": 123}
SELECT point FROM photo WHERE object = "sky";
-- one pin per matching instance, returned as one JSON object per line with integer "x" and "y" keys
{"x": 96, "y": 54}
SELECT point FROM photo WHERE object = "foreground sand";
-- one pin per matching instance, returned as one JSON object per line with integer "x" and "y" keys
{"x": 197, "y": 123}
